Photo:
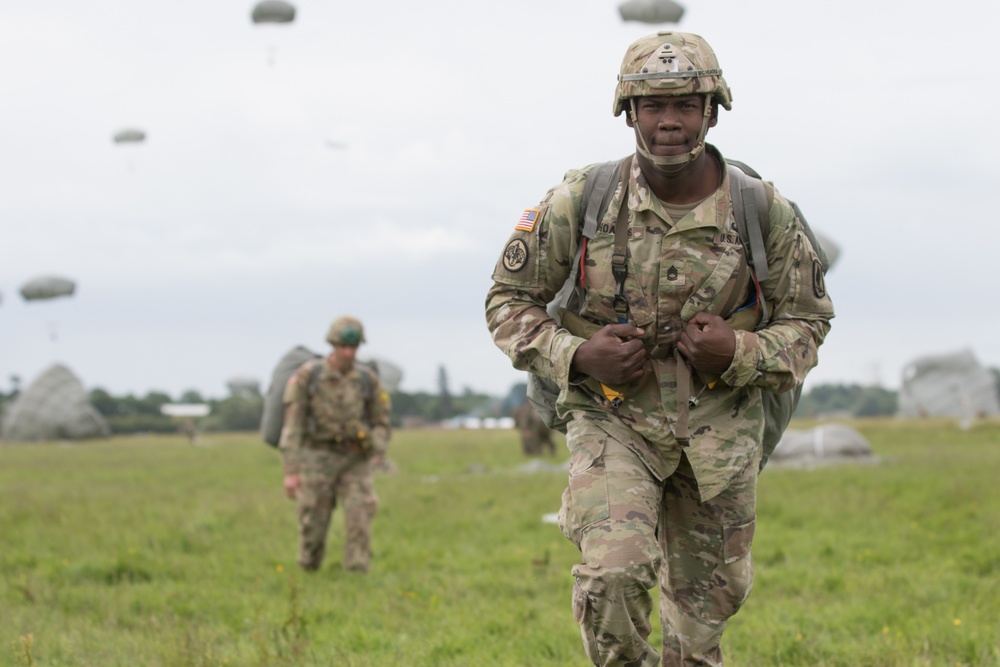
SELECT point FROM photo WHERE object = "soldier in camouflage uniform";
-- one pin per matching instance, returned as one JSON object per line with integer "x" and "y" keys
{"x": 535, "y": 435}
{"x": 336, "y": 426}
{"x": 662, "y": 385}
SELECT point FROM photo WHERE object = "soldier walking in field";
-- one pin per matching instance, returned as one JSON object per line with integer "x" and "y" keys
{"x": 662, "y": 362}
{"x": 536, "y": 437}
{"x": 336, "y": 426}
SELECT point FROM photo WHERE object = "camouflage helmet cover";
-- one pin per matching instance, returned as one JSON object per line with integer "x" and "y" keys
{"x": 670, "y": 63}
{"x": 346, "y": 330}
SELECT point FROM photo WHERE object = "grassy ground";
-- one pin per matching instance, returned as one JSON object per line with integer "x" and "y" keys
{"x": 152, "y": 552}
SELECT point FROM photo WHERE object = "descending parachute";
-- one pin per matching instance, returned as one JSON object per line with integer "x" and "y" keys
{"x": 129, "y": 136}
{"x": 273, "y": 11}
{"x": 47, "y": 287}
{"x": 651, "y": 11}
{"x": 55, "y": 406}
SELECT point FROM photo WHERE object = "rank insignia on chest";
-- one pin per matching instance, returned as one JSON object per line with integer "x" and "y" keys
{"x": 526, "y": 223}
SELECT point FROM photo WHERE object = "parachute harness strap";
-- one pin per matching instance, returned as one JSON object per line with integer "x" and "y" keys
{"x": 619, "y": 258}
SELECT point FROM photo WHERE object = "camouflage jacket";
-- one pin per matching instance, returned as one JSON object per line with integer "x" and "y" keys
{"x": 674, "y": 271}
{"x": 344, "y": 408}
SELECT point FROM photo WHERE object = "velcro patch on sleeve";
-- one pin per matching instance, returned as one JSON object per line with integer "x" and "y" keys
{"x": 526, "y": 223}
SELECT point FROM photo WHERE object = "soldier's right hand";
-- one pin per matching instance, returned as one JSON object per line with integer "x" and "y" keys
{"x": 292, "y": 483}
{"x": 614, "y": 355}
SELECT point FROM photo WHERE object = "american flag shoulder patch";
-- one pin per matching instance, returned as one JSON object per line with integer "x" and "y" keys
{"x": 526, "y": 223}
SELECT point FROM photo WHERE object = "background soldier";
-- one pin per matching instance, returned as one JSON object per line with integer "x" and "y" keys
{"x": 336, "y": 424}
{"x": 536, "y": 437}
{"x": 663, "y": 387}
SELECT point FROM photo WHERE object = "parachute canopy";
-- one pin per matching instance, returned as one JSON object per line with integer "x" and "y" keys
{"x": 651, "y": 11}
{"x": 129, "y": 136}
{"x": 273, "y": 11}
{"x": 948, "y": 385}
{"x": 54, "y": 407}
{"x": 47, "y": 287}
{"x": 823, "y": 445}
{"x": 831, "y": 249}
{"x": 389, "y": 374}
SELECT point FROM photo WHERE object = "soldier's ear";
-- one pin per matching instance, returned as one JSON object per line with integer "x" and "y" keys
{"x": 714, "y": 118}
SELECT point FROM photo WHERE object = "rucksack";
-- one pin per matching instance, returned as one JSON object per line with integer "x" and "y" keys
{"x": 750, "y": 198}
{"x": 273, "y": 415}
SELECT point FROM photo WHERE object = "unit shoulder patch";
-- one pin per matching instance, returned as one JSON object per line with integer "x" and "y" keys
{"x": 515, "y": 255}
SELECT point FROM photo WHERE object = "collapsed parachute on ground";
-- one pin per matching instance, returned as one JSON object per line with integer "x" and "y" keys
{"x": 273, "y": 11}
{"x": 47, "y": 287}
{"x": 948, "y": 385}
{"x": 824, "y": 445}
{"x": 129, "y": 136}
{"x": 651, "y": 11}
{"x": 54, "y": 407}
{"x": 389, "y": 374}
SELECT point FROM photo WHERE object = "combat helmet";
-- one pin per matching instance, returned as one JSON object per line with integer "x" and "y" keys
{"x": 671, "y": 63}
{"x": 346, "y": 330}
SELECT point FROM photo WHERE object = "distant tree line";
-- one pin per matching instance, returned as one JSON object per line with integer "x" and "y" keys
{"x": 241, "y": 411}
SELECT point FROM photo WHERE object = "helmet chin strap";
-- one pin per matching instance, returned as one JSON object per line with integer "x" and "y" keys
{"x": 671, "y": 165}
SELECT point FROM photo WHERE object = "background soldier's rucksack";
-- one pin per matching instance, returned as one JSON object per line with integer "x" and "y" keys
{"x": 751, "y": 209}
{"x": 273, "y": 416}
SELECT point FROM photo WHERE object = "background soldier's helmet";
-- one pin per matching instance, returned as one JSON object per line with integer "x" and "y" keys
{"x": 346, "y": 330}
{"x": 670, "y": 63}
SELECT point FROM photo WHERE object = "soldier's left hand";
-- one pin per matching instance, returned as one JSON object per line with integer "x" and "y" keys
{"x": 708, "y": 343}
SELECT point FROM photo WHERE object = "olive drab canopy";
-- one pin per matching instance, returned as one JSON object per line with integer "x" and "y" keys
{"x": 47, "y": 287}
{"x": 948, "y": 385}
{"x": 54, "y": 407}
{"x": 651, "y": 11}
{"x": 273, "y": 11}
{"x": 129, "y": 136}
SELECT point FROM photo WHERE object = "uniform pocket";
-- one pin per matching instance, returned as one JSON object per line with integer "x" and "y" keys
{"x": 716, "y": 287}
{"x": 585, "y": 501}
{"x": 736, "y": 541}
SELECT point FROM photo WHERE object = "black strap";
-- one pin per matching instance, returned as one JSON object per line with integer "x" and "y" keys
{"x": 619, "y": 258}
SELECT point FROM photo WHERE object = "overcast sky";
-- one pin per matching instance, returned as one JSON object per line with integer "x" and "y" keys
{"x": 241, "y": 227}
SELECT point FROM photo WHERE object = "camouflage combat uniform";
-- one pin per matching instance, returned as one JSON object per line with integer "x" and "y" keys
{"x": 643, "y": 507}
{"x": 328, "y": 440}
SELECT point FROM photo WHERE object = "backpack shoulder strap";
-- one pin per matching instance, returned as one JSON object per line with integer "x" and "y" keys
{"x": 317, "y": 366}
{"x": 752, "y": 212}
{"x": 598, "y": 191}
{"x": 597, "y": 194}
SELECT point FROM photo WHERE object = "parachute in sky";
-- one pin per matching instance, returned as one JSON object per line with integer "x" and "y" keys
{"x": 129, "y": 136}
{"x": 651, "y": 11}
{"x": 47, "y": 287}
{"x": 54, "y": 407}
{"x": 273, "y": 11}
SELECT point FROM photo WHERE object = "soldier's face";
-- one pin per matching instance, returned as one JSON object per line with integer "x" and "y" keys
{"x": 670, "y": 124}
{"x": 343, "y": 356}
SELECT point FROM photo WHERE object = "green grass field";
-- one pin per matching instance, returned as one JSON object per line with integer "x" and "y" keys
{"x": 150, "y": 551}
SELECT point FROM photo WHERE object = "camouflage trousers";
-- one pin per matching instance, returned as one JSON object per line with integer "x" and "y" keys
{"x": 634, "y": 532}
{"x": 328, "y": 476}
